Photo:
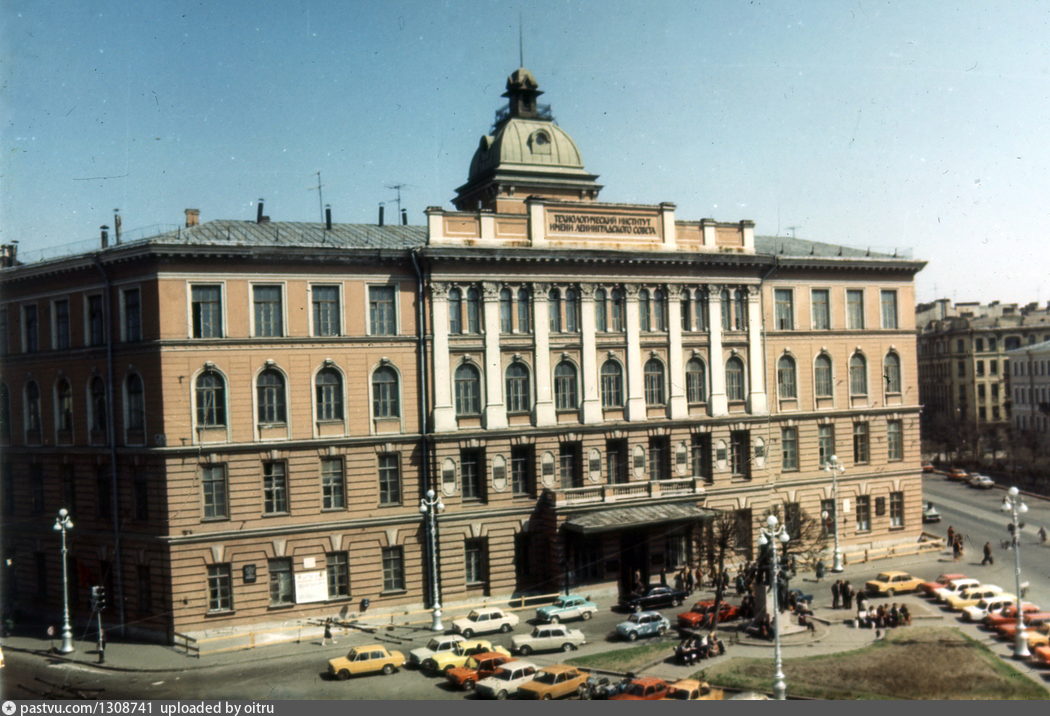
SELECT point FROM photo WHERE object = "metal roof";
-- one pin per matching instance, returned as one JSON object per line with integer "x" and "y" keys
{"x": 609, "y": 519}
{"x": 294, "y": 233}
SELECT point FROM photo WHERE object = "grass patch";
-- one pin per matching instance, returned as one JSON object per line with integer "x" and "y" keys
{"x": 912, "y": 663}
{"x": 631, "y": 658}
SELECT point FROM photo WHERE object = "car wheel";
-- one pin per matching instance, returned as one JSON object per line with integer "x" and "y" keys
{"x": 555, "y": 619}
{"x": 468, "y": 685}
{"x": 586, "y": 616}
{"x": 525, "y": 650}
{"x": 889, "y": 594}
{"x": 678, "y": 601}
{"x": 501, "y": 695}
{"x": 632, "y": 636}
{"x": 448, "y": 668}
{"x": 546, "y": 697}
{"x": 429, "y": 665}
{"x": 504, "y": 628}
{"x": 661, "y": 631}
{"x": 467, "y": 633}
{"x": 567, "y": 647}
{"x": 343, "y": 675}
{"x": 388, "y": 669}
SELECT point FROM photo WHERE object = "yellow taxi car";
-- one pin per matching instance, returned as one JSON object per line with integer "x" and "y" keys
{"x": 893, "y": 582}
{"x": 555, "y": 682}
{"x": 693, "y": 690}
{"x": 1038, "y": 636}
{"x": 366, "y": 660}
{"x": 973, "y": 595}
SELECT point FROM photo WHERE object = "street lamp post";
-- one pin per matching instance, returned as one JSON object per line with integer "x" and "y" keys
{"x": 63, "y": 524}
{"x": 430, "y": 506}
{"x": 769, "y": 535}
{"x": 1013, "y": 504}
{"x": 834, "y": 467}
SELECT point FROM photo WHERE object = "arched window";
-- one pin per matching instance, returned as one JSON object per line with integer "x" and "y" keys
{"x": 892, "y": 371}
{"x": 554, "y": 310}
{"x": 822, "y": 385}
{"x": 619, "y": 314}
{"x": 455, "y": 311}
{"x": 695, "y": 381}
{"x": 473, "y": 310}
{"x": 858, "y": 375}
{"x": 653, "y": 374}
{"x": 740, "y": 310}
{"x": 386, "y": 401}
{"x": 63, "y": 406}
{"x": 735, "y": 379}
{"x": 660, "y": 310}
{"x": 565, "y": 386}
{"x": 687, "y": 311}
{"x": 524, "y": 324}
{"x": 572, "y": 310}
{"x": 601, "y": 314}
{"x": 468, "y": 390}
{"x": 506, "y": 311}
{"x": 700, "y": 307}
{"x": 612, "y": 384}
{"x": 644, "y": 316}
{"x": 211, "y": 399}
{"x": 32, "y": 413}
{"x": 328, "y": 387}
{"x": 271, "y": 398}
{"x": 787, "y": 386}
{"x": 518, "y": 394}
{"x": 135, "y": 402}
{"x": 727, "y": 310}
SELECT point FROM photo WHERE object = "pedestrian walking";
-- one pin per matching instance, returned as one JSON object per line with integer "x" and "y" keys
{"x": 847, "y": 595}
{"x": 689, "y": 583}
{"x": 836, "y": 593}
{"x": 1042, "y": 534}
{"x": 327, "y": 633}
{"x": 951, "y": 538}
{"x": 988, "y": 558}
{"x": 820, "y": 569}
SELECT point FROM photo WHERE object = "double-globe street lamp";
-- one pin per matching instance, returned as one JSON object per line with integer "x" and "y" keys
{"x": 769, "y": 535}
{"x": 63, "y": 524}
{"x": 430, "y": 506}
{"x": 835, "y": 468}
{"x": 1013, "y": 504}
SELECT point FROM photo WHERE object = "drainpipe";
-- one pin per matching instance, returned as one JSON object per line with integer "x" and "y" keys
{"x": 114, "y": 501}
{"x": 424, "y": 402}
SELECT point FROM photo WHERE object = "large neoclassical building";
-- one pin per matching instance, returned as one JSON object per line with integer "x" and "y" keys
{"x": 242, "y": 416}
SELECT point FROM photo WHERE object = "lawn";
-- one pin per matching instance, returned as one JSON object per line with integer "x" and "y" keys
{"x": 912, "y": 663}
{"x": 632, "y": 658}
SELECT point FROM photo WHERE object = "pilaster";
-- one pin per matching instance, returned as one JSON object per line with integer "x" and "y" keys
{"x": 757, "y": 401}
{"x": 544, "y": 413}
{"x": 444, "y": 412}
{"x": 675, "y": 369}
{"x": 635, "y": 407}
{"x": 719, "y": 403}
{"x": 495, "y": 409}
{"x": 592, "y": 406}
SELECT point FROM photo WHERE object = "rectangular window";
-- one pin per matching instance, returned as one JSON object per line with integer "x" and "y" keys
{"x": 131, "y": 315}
{"x": 793, "y": 519}
{"x": 382, "y": 318}
{"x": 889, "y": 309}
{"x": 215, "y": 492}
{"x": 393, "y": 569}
{"x": 269, "y": 311}
{"x": 390, "y": 479}
{"x": 827, "y": 514}
{"x": 789, "y": 448}
{"x": 207, "y": 311}
{"x": 60, "y": 324}
{"x": 863, "y": 513}
{"x": 784, "y": 300}
{"x": 960, "y": 368}
{"x": 474, "y": 561}
{"x": 275, "y": 488}
{"x": 30, "y": 329}
{"x": 333, "y": 484}
{"x": 326, "y": 312}
{"x": 743, "y": 531}
{"x": 282, "y": 584}
{"x": 979, "y": 345}
{"x": 895, "y": 440}
{"x": 337, "y": 566}
{"x": 570, "y": 464}
{"x": 821, "y": 299}
{"x": 676, "y": 551}
{"x": 896, "y": 509}
{"x": 96, "y": 321}
{"x": 220, "y": 588}
{"x": 702, "y": 459}
{"x": 860, "y": 442}
{"x": 995, "y": 392}
{"x": 740, "y": 453}
{"x": 659, "y": 458}
{"x": 993, "y": 367}
{"x": 616, "y": 461}
{"x": 472, "y": 466}
{"x": 980, "y": 368}
{"x": 980, "y": 392}
{"x": 854, "y": 309}
{"x": 825, "y": 443}
{"x": 522, "y": 469}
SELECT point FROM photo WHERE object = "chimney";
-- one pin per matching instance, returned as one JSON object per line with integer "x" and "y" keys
{"x": 8, "y": 254}
{"x": 380, "y": 213}
{"x": 116, "y": 224}
{"x": 259, "y": 217}
{"x": 193, "y": 217}
{"x": 328, "y": 217}
{"x": 404, "y": 217}
{"x": 105, "y": 236}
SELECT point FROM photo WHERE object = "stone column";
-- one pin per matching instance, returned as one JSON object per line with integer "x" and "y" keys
{"x": 495, "y": 409}
{"x": 757, "y": 402}
{"x": 592, "y": 406}
{"x": 635, "y": 407}
{"x": 675, "y": 367}
{"x": 544, "y": 413}
{"x": 716, "y": 363}
{"x": 444, "y": 411}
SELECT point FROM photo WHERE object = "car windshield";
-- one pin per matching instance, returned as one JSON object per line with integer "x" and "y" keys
{"x": 545, "y": 677}
{"x": 471, "y": 663}
{"x": 678, "y": 694}
{"x": 561, "y": 602}
{"x": 434, "y": 645}
{"x": 636, "y": 690}
{"x": 472, "y": 616}
{"x": 634, "y": 618}
{"x": 883, "y": 577}
{"x": 502, "y": 675}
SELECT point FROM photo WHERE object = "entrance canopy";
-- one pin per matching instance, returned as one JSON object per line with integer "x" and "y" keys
{"x": 611, "y": 519}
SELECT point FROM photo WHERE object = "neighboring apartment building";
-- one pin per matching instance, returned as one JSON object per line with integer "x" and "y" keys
{"x": 237, "y": 416}
{"x": 1030, "y": 389}
{"x": 963, "y": 377}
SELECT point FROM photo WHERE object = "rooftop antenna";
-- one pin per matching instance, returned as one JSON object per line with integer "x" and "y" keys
{"x": 521, "y": 42}
{"x": 320, "y": 195}
{"x": 397, "y": 188}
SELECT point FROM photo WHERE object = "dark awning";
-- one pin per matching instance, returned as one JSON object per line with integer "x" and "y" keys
{"x": 611, "y": 519}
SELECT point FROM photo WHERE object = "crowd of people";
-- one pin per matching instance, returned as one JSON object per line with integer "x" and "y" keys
{"x": 694, "y": 648}
{"x": 883, "y": 617}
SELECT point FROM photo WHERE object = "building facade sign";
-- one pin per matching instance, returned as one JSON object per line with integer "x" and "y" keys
{"x": 560, "y": 221}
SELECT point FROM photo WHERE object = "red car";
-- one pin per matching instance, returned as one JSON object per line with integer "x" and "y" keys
{"x": 700, "y": 614}
{"x": 927, "y": 467}
{"x": 478, "y": 667}
{"x": 647, "y": 688}
{"x": 1007, "y": 615}
{"x": 1041, "y": 656}
{"x": 1032, "y": 619}
{"x": 928, "y": 588}
{"x": 957, "y": 474}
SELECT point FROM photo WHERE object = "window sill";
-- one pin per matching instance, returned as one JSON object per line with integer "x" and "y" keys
{"x": 219, "y": 613}
{"x": 268, "y": 426}
{"x": 225, "y": 518}
{"x": 392, "y": 592}
{"x": 279, "y": 607}
{"x": 276, "y": 514}
{"x": 896, "y": 528}
{"x": 390, "y": 504}
{"x": 333, "y": 509}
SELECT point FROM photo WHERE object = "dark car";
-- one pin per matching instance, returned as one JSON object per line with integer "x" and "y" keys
{"x": 655, "y": 595}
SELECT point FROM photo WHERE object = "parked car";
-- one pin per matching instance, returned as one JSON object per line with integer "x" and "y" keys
{"x": 1008, "y": 614}
{"x": 927, "y": 467}
{"x": 956, "y": 586}
{"x": 445, "y": 642}
{"x": 1009, "y": 631}
{"x": 700, "y": 614}
{"x": 643, "y": 624}
{"x": 570, "y": 606}
{"x": 981, "y": 482}
{"x": 957, "y": 474}
{"x": 892, "y": 582}
{"x": 655, "y": 595}
{"x": 973, "y": 595}
{"x": 693, "y": 690}
{"x": 476, "y": 668}
{"x": 928, "y": 588}
{"x": 1041, "y": 656}
{"x": 506, "y": 680}
{"x": 1038, "y": 636}
{"x": 366, "y": 660}
{"x": 483, "y": 621}
{"x": 555, "y": 682}
{"x": 442, "y": 661}
{"x": 548, "y": 637}
{"x": 647, "y": 688}
{"x": 930, "y": 514}
{"x": 977, "y": 612}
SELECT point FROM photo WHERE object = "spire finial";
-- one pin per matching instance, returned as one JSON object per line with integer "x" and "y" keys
{"x": 521, "y": 42}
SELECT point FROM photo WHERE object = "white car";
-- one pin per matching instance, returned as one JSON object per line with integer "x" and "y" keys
{"x": 983, "y": 608}
{"x": 483, "y": 621}
{"x": 506, "y": 680}
{"x": 956, "y": 586}
{"x": 548, "y": 638}
{"x": 982, "y": 482}
{"x": 446, "y": 642}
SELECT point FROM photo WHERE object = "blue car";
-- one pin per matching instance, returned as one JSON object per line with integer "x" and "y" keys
{"x": 570, "y": 606}
{"x": 643, "y": 624}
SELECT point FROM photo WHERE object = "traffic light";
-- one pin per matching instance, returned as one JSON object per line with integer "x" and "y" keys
{"x": 98, "y": 598}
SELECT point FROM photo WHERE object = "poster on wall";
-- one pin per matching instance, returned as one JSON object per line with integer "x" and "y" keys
{"x": 310, "y": 587}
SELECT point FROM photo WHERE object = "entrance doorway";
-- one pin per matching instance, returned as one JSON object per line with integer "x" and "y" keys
{"x": 634, "y": 560}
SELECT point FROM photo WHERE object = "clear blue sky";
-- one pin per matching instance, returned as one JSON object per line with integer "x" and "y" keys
{"x": 882, "y": 124}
